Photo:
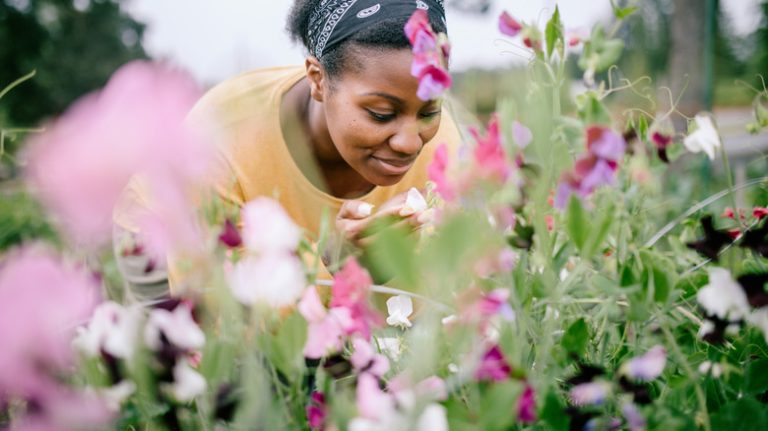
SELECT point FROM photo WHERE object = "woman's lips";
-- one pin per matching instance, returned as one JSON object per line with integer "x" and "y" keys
{"x": 393, "y": 166}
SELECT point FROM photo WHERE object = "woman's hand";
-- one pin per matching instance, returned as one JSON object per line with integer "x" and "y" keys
{"x": 355, "y": 217}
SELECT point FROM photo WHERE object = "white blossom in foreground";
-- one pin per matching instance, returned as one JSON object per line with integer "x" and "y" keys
{"x": 647, "y": 366}
{"x": 723, "y": 296}
{"x": 178, "y": 327}
{"x": 759, "y": 319}
{"x": 275, "y": 279}
{"x": 267, "y": 228}
{"x": 113, "y": 329}
{"x": 187, "y": 383}
{"x": 704, "y": 138}
{"x": 592, "y": 393}
{"x": 399, "y": 307}
{"x": 115, "y": 395}
{"x": 414, "y": 203}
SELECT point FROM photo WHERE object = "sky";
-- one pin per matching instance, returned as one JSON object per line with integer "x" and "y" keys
{"x": 216, "y": 39}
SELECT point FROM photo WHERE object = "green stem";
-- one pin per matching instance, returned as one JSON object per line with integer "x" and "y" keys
{"x": 731, "y": 190}
{"x": 681, "y": 358}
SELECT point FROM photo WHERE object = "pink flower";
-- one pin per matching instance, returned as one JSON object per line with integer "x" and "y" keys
{"x": 508, "y": 25}
{"x": 493, "y": 366}
{"x": 490, "y": 156}
{"x": 229, "y": 235}
{"x": 350, "y": 285}
{"x": 521, "y": 134}
{"x": 42, "y": 301}
{"x": 316, "y": 411}
{"x": 759, "y": 213}
{"x": 326, "y": 328}
{"x": 372, "y": 402}
{"x": 526, "y": 406}
{"x": 605, "y": 143}
{"x": 417, "y": 23}
{"x": 635, "y": 419}
{"x": 437, "y": 172}
{"x": 365, "y": 359}
{"x": 433, "y": 82}
{"x": 267, "y": 228}
{"x": 81, "y": 164}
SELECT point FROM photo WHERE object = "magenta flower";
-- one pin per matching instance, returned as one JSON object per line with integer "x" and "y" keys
{"x": 350, "y": 285}
{"x": 437, "y": 172}
{"x": 433, "y": 82}
{"x": 230, "y": 236}
{"x": 418, "y": 23}
{"x": 490, "y": 156}
{"x": 493, "y": 366}
{"x": 430, "y": 56}
{"x": 508, "y": 25}
{"x": 42, "y": 301}
{"x": 526, "y": 405}
{"x": 316, "y": 411}
{"x": 605, "y": 143}
{"x": 140, "y": 114}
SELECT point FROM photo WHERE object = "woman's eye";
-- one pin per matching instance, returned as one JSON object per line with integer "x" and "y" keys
{"x": 430, "y": 114}
{"x": 382, "y": 118}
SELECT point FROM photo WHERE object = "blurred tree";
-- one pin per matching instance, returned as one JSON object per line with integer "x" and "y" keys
{"x": 758, "y": 64}
{"x": 73, "y": 44}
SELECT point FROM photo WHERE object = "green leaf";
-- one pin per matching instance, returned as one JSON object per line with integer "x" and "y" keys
{"x": 592, "y": 110}
{"x": 288, "y": 345}
{"x": 499, "y": 394}
{"x": 622, "y": 12}
{"x": 577, "y": 223}
{"x": 553, "y": 413}
{"x": 746, "y": 414}
{"x": 391, "y": 255}
{"x": 576, "y": 337}
{"x": 598, "y": 235}
{"x": 756, "y": 377}
{"x": 656, "y": 275}
{"x": 554, "y": 32}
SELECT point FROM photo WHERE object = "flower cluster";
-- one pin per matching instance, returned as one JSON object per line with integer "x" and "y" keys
{"x": 596, "y": 168}
{"x": 430, "y": 56}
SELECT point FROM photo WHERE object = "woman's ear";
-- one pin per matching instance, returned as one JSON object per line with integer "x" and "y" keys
{"x": 316, "y": 77}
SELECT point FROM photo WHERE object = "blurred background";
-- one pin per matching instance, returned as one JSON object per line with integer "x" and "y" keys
{"x": 714, "y": 49}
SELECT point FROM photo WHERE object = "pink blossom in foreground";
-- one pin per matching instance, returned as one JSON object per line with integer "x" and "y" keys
{"x": 430, "y": 56}
{"x": 489, "y": 154}
{"x": 316, "y": 411}
{"x": 350, "y": 291}
{"x": 508, "y": 25}
{"x": 521, "y": 134}
{"x": 493, "y": 366}
{"x": 372, "y": 402}
{"x": 365, "y": 359}
{"x": 418, "y": 23}
{"x": 42, "y": 300}
{"x": 81, "y": 164}
{"x": 326, "y": 328}
{"x": 437, "y": 173}
{"x": 433, "y": 82}
{"x": 647, "y": 366}
{"x": 526, "y": 405}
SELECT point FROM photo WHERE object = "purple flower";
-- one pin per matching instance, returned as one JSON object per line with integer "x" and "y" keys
{"x": 526, "y": 405}
{"x": 591, "y": 393}
{"x": 493, "y": 366}
{"x": 603, "y": 173}
{"x": 521, "y": 134}
{"x": 433, "y": 81}
{"x": 605, "y": 143}
{"x": 647, "y": 366}
{"x": 635, "y": 419}
{"x": 508, "y": 25}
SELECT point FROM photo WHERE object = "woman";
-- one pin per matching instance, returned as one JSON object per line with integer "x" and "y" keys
{"x": 345, "y": 133}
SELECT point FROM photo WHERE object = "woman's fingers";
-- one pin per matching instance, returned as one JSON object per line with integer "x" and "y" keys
{"x": 355, "y": 210}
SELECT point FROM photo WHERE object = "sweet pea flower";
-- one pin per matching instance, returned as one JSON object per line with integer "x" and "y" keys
{"x": 493, "y": 366}
{"x": 414, "y": 203}
{"x": 433, "y": 418}
{"x": 114, "y": 396}
{"x": 140, "y": 114}
{"x": 591, "y": 393}
{"x": 273, "y": 279}
{"x": 350, "y": 285}
{"x": 372, "y": 402}
{"x": 187, "y": 384}
{"x": 437, "y": 173}
{"x": 526, "y": 406}
{"x": 365, "y": 359}
{"x": 489, "y": 154}
{"x": 267, "y": 228}
{"x": 759, "y": 213}
{"x": 723, "y": 297}
{"x": 648, "y": 366}
{"x": 508, "y": 25}
{"x": 605, "y": 143}
{"x": 418, "y": 23}
{"x": 635, "y": 419}
{"x": 521, "y": 134}
{"x": 433, "y": 82}
{"x": 326, "y": 327}
{"x": 176, "y": 327}
{"x": 113, "y": 329}
{"x": 430, "y": 54}
{"x": 42, "y": 300}
{"x": 399, "y": 308}
{"x": 316, "y": 411}
{"x": 704, "y": 138}
{"x": 390, "y": 346}
{"x": 230, "y": 236}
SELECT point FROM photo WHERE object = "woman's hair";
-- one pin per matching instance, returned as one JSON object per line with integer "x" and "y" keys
{"x": 384, "y": 34}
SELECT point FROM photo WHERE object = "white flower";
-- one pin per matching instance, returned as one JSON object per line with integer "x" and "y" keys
{"x": 178, "y": 327}
{"x": 267, "y": 228}
{"x": 759, "y": 318}
{"x": 390, "y": 346}
{"x": 647, "y": 366}
{"x": 706, "y": 367}
{"x": 433, "y": 419}
{"x": 399, "y": 308}
{"x": 114, "y": 396}
{"x": 414, "y": 203}
{"x": 723, "y": 296}
{"x": 275, "y": 279}
{"x": 591, "y": 393}
{"x": 704, "y": 138}
{"x": 112, "y": 329}
{"x": 187, "y": 383}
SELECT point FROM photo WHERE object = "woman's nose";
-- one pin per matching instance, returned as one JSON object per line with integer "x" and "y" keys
{"x": 407, "y": 140}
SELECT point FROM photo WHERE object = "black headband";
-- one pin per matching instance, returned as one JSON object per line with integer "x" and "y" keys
{"x": 333, "y": 21}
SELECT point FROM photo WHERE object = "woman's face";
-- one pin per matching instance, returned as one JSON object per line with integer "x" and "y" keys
{"x": 374, "y": 118}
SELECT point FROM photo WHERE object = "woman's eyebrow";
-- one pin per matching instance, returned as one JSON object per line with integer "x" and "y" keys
{"x": 394, "y": 99}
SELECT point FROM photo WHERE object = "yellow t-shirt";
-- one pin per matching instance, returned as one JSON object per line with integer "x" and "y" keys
{"x": 245, "y": 112}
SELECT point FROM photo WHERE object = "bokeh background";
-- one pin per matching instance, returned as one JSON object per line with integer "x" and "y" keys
{"x": 715, "y": 50}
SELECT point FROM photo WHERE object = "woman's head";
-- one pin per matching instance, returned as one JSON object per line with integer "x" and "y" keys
{"x": 360, "y": 70}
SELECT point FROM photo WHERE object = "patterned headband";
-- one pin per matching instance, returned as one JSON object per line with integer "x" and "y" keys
{"x": 333, "y": 21}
